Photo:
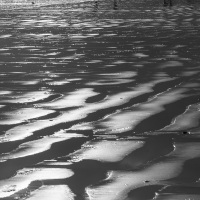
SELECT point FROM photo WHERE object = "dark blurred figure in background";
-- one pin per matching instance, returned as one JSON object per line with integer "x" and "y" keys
{"x": 96, "y": 5}
{"x": 167, "y": 2}
{"x": 115, "y": 7}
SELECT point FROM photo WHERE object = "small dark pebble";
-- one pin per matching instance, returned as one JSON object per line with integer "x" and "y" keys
{"x": 146, "y": 181}
{"x": 33, "y": 3}
{"x": 185, "y": 132}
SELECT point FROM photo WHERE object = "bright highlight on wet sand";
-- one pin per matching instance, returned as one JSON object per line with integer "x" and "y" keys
{"x": 99, "y": 100}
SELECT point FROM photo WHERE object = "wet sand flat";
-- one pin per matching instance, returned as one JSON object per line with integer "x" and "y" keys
{"x": 99, "y": 100}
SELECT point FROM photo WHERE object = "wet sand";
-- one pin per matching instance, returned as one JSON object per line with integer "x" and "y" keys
{"x": 100, "y": 100}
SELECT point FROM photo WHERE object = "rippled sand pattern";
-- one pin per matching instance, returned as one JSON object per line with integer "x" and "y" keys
{"x": 99, "y": 100}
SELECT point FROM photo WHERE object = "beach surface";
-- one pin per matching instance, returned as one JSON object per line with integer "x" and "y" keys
{"x": 99, "y": 100}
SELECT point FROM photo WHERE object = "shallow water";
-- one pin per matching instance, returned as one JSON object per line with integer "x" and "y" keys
{"x": 99, "y": 100}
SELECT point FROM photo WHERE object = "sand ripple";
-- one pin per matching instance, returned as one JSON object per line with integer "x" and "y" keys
{"x": 99, "y": 100}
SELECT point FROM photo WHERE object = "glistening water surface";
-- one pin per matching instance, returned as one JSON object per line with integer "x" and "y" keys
{"x": 99, "y": 100}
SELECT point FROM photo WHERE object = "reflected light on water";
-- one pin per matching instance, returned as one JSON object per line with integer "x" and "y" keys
{"x": 25, "y": 176}
{"x": 59, "y": 192}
